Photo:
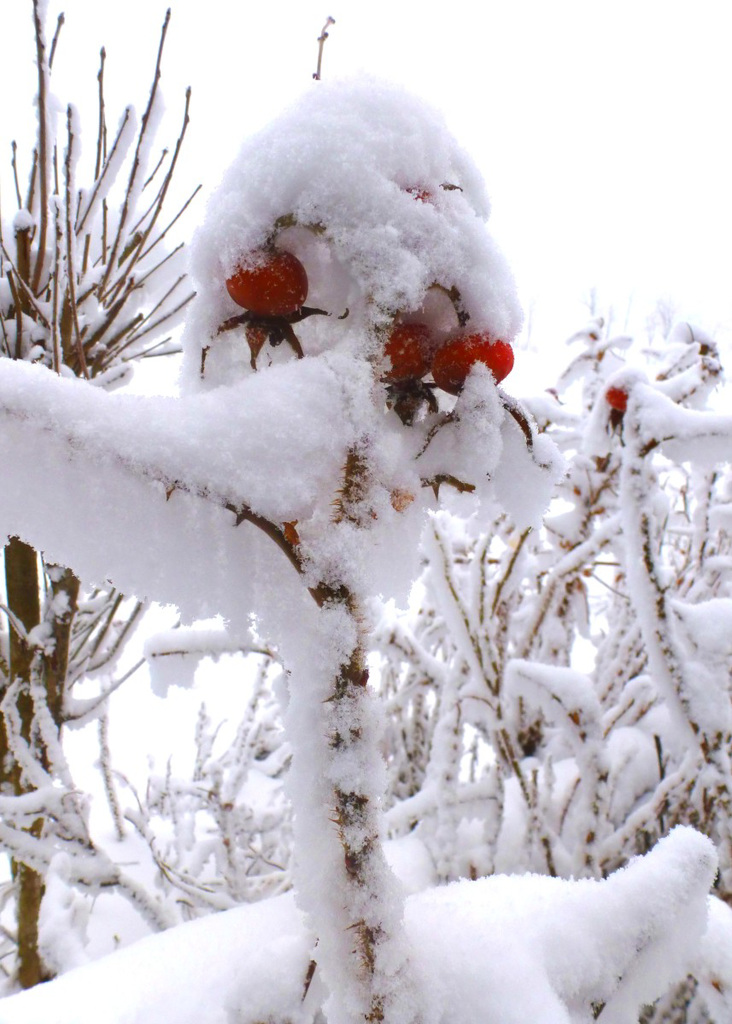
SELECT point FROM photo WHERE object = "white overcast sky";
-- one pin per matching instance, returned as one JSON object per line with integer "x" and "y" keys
{"x": 602, "y": 126}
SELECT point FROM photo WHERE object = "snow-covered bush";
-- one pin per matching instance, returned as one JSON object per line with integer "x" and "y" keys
{"x": 560, "y": 699}
{"x": 289, "y": 488}
{"x": 222, "y": 835}
{"x": 87, "y": 286}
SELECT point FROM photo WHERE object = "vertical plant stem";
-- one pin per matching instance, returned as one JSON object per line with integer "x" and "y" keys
{"x": 21, "y": 582}
{"x": 42, "y": 145}
{"x": 337, "y": 782}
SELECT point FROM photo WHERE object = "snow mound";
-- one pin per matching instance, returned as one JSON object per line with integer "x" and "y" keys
{"x": 505, "y": 948}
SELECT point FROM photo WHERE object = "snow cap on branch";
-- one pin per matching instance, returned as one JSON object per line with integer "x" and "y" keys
{"x": 364, "y": 183}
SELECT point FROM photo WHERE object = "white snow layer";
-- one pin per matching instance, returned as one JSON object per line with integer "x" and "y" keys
{"x": 385, "y": 205}
{"x": 510, "y": 949}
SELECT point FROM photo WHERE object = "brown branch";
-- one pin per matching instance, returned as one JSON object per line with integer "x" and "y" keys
{"x": 436, "y": 482}
{"x": 151, "y": 353}
{"x": 137, "y": 160}
{"x": 112, "y": 312}
{"x": 163, "y": 319}
{"x": 6, "y": 339}
{"x": 148, "y": 316}
{"x": 32, "y": 181}
{"x": 112, "y": 346}
{"x": 42, "y": 145}
{"x": 507, "y": 575}
{"x": 139, "y": 251}
{"x": 23, "y": 298}
{"x": 243, "y": 514}
{"x": 55, "y": 290}
{"x": 141, "y": 280}
{"x": 14, "y": 165}
{"x": 321, "y": 43}
{"x": 11, "y": 278}
{"x": 70, "y": 271}
{"x": 150, "y": 179}
{"x": 81, "y": 221}
{"x": 143, "y": 217}
{"x": 54, "y": 41}
{"x": 179, "y": 214}
{"x": 102, "y": 123}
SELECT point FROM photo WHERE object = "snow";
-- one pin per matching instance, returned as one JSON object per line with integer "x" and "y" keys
{"x": 342, "y": 161}
{"x": 709, "y": 624}
{"x": 191, "y": 974}
{"x": 505, "y": 948}
{"x": 288, "y": 497}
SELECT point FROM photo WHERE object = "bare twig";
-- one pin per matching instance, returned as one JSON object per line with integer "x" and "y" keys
{"x": 100, "y": 176}
{"x": 102, "y": 129}
{"x": 180, "y": 212}
{"x": 321, "y": 43}
{"x": 54, "y": 42}
{"x": 14, "y": 165}
{"x": 23, "y": 297}
{"x": 70, "y": 270}
{"x": 42, "y": 145}
{"x": 136, "y": 162}
{"x": 55, "y": 288}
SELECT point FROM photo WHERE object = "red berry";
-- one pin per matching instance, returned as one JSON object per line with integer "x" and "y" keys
{"x": 454, "y": 361}
{"x": 269, "y": 282}
{"x": 407, "y": 350}
{"x": 617, "y": 398}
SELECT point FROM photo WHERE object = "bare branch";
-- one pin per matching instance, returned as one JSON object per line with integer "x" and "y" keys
{"x": 43, "y": 135}
{"x": 321, "y": 43}
{"x": 54, "y": 42}
{"x": 136, "y": 162}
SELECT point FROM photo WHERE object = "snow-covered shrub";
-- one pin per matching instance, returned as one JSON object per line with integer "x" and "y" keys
{"x": 561, "y": 698}
{"x": 87, "y": 286}
{"x": 223, "y": 836}
{"x": 290, "y": 487}
{"x": 521, "y": 949}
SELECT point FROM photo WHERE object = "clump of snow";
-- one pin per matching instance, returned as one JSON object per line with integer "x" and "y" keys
{"x": 23, "y": 221}
{"x": 504, "y": 948}
{"x": 382, "y": 205}
{"x": 173, "y": 655}
{"x": 708, "y": 624}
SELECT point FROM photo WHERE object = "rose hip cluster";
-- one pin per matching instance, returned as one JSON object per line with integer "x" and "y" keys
{"x": 272, "y": 286}
{"x": 409, "y": 346}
